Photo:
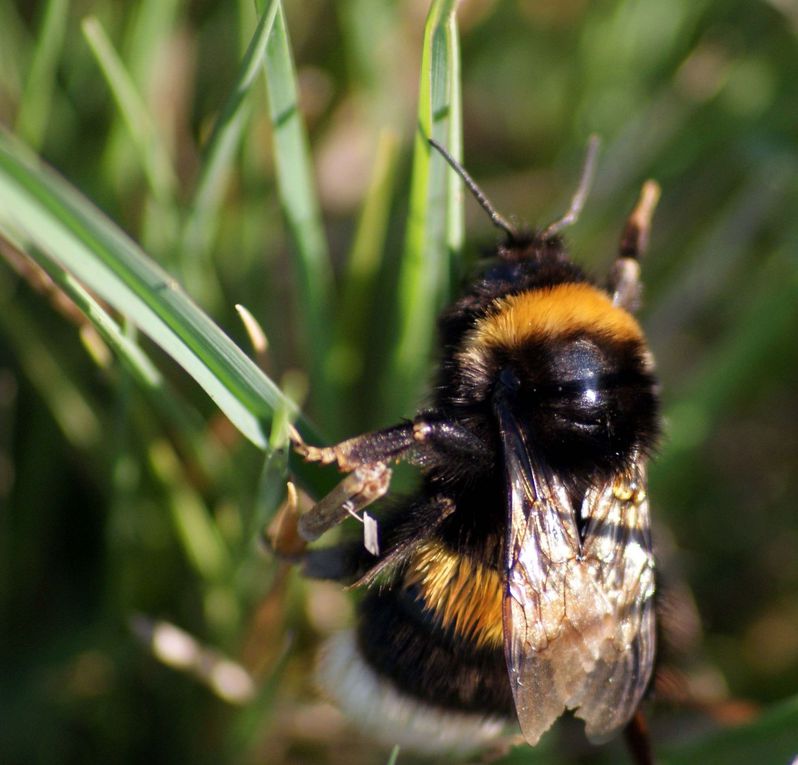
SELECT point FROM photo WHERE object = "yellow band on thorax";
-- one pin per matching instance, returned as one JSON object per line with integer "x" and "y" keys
{"x": 554, "y": 311}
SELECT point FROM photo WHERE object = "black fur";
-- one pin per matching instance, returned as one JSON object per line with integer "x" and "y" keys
{"x": 403, "y": 641}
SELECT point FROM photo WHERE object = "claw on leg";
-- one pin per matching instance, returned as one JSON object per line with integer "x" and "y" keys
{"x": 282, "y": 533}
{"x": 326, "y": 455}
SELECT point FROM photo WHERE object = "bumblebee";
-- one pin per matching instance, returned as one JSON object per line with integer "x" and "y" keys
{"x": 518, "y": 581}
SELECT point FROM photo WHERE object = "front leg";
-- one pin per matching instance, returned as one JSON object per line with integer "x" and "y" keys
{"x": 431, "y": 434}
{"x": 368, "y": 449}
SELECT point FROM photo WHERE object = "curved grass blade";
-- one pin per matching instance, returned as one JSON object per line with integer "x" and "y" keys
{"x": 434, "y": 222}
{"x": 143, "y": 46}
{"x": 40, "y": 209}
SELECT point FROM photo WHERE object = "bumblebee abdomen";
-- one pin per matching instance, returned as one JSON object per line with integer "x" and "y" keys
{"x": 422, "y": 669}
{"x": 407, "y": 643}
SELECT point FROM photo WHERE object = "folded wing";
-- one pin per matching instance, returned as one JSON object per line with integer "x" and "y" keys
{"x": 577, "y": 613}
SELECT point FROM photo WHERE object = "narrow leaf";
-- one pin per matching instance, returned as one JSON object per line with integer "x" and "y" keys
{"x": 433, "y": 221}
{"x": 153, "y": 155}
{"x": 40, "y": 209}
{"x": 202, "y": 218}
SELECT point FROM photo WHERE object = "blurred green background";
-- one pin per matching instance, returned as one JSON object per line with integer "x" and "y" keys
{"x": 103, "y": 498}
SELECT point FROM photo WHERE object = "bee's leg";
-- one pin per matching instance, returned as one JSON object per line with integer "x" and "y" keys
{"x": 435, "y": 434}
{"x": 638, "y": 740}
{"x": 400, "y": 532}
{"x": 364, "y": 485}
{"x": 624, "y": 280}
{"x": 368, "y": 449}
{"x": 290, "y": 531}
{"x": 366, "y": 459}
{"x": 430, "y": 431}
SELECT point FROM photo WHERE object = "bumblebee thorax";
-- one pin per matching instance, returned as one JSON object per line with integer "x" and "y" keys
{"x": 577, "y": 368}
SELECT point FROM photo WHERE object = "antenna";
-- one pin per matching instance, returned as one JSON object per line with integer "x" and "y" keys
{"x": 578, "y": 199}
{"x": 496, "y": 218}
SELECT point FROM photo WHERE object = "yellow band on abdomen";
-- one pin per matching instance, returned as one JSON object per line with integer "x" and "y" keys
{"x": 463, "y": 593}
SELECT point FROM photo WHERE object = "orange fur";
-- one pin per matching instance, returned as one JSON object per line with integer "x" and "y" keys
{"x": 462, "y": 592}
{"x": 555, "y": 311}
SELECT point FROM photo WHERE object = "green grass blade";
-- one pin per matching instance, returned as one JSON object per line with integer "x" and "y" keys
{"x": 172, "y": 409}
{"x": 373, "y": 67}
{"x": 57, "y": 385}
{"x": 199, "y": 537}
{"x": 143, "y": 48}
{"x": 202, "y": 218}
{"x": 152, "y": 152}
{"x": 41, "y": 210}
{"x": 34, "y": 110}
{"x": 433, "y": 221}
{"x": 153, "y": 22}
{"x": 297, "y": 192}
{"x": 455, "y": 211}
{"x": 15, "y": 52}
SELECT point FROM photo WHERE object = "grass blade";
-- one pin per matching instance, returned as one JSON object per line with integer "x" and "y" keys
{"x": 455, "y": 192}
{"x": 298, "y": 197}
{"x": 144, "y": 48}
{"x": 153, "y": 154}
{"x": 198, "y": 535}
{"x": 172, "y": 409}
{"x": 434, "y": 222}
{"x": 57, "y": 385}
{"x": 202, "y": 218}
{"x": 34, "y": 110}
{"x": 40, "y": 209}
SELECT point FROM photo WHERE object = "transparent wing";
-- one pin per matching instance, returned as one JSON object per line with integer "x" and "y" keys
{"x": 578, "y": 616}
{"x": 617, "y": 548}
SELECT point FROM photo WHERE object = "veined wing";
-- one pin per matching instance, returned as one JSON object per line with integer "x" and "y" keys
{"x": 577, "y": 617}
{"x": 617, "y": 548}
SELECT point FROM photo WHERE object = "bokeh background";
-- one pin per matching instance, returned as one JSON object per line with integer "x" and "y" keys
{"x": 98, "y": 494}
